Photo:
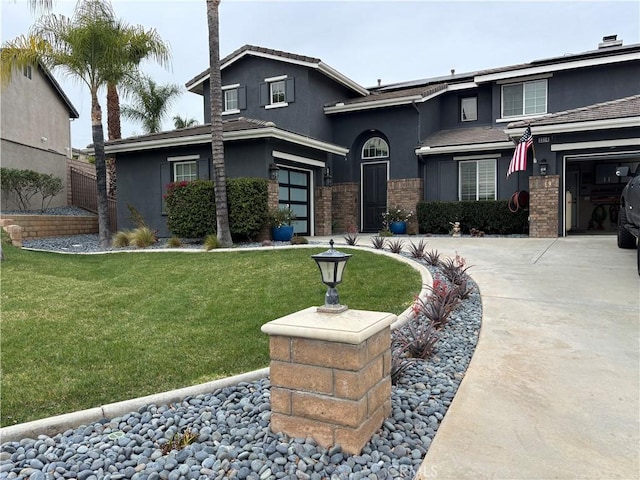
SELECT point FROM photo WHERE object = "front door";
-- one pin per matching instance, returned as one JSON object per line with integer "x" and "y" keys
{"x": 374, "y": 195}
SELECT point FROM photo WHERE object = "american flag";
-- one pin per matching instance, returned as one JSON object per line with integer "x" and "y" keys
{"x": 519, "y": 160}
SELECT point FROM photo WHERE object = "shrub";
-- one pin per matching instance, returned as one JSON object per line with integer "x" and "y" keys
{"x": 136, "y": 217}
{"x": 352, "y": 236}
{"x": 121, "y": 239}
{"x": 418, "y": 250}
{"x": 378, "y": 242}
{"x": 142, "y": 237}
{"x": 174, "y": 242}
{"x": 191, "y": 208}
{"x": 278, "y": 217}
{"x": 438, "y": 306}
{"x": 385, "y": 233}
{"x": 299, "y": 240}
{"x": 24, "y": 184}
{"x": 395, "y": 246}
{"x": 248, "y": 205}
{"x": 211, "y": 242}
{"x": 432, "y": 258}
{"x": 490, "y": 216}
{"x": 417, "y": 338}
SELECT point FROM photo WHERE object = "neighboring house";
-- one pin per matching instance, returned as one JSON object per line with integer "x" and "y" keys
{"x": 35, "y": 130}
{"x": 346, "y": 153}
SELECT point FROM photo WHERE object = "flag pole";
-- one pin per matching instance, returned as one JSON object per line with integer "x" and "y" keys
{"x": 533, "y": 146}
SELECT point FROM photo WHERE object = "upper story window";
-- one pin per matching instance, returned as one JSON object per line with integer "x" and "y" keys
{"x": 469, "y": 109}
{"x": 477, "y": 180}
{"x": 277, "y": 92}
{"x": 526, "y": 98}
{"x": 26, "y": 71}
{"x": 185, "y": 171}
{"x": 234, "y": 99}
{"x": 375, "y": 147}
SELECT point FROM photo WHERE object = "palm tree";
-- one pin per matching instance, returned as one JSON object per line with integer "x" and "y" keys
{"x": 180, "y": 122}
{"x": 151, "y": 102}
{"x": 217, "y": 147}
{"x": 79, "y": 47}
{"x": 135, "y": 45}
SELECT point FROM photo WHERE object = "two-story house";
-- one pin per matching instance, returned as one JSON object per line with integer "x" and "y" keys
{"x": 346, "y": 153}
{"x": 35, "y": 129}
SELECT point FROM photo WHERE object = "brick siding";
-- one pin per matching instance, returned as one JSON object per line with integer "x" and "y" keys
{"x": 323, "y": 206}
{"x": 543, "y": 206}
{"x": 345, "y": 206}
{"x": 406, "y": 193}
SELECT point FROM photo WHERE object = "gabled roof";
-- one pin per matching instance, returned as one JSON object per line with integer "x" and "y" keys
{"x": 391, "y": 98}
{"x": 196, "y": 84}
{"x": 240, "y": 128}
{"x": 464, "y": 139}
{"x": 73, "y": 113}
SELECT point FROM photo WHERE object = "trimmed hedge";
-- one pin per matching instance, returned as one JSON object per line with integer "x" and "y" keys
{"x": 191, "y": 207}
{"x": 493, "y": 217}
{"x": 248, "y": 205}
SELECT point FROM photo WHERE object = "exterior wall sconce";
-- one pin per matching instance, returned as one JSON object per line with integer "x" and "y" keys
{"x": 273, "y": 171}
{"x": 543, "y": 167}
{"x": 331, "y": 264}
{"x": 328, "y": 179}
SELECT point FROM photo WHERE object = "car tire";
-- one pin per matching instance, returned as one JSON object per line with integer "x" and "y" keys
{"x": 625, "y": 237}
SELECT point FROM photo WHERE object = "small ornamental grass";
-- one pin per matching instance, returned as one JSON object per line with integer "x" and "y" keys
{"x": 352, "y": 236}
{"x": 455, "y": 269}
{"x": 432, "y": 258}
{"x": 395, "y": 246}
{"x": 174, "y": 242}
{"x": 418, "y": 250}
{"x": 142, "y": 237}
{"x": 296, "y": 240}
{"x": 211, "y": 242}
{"x": 417, "y": 338}
{"x": 378, "y": 242}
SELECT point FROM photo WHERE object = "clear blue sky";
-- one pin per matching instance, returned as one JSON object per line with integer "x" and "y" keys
{"x": 365, "y": 40}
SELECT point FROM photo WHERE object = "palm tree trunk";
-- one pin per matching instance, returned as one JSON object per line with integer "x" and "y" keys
{"x": 113, "y": 113}
{"x": 217, "y": 147}
{"x": 101, "y": 170}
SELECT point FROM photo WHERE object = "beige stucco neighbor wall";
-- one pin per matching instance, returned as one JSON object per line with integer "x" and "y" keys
{"x": 35, "y": 131}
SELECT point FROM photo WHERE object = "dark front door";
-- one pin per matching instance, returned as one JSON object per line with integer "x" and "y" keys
{"x": 374, "y": 196}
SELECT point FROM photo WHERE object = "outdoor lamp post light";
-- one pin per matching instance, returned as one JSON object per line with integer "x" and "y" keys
{"x": 331, "y": 264}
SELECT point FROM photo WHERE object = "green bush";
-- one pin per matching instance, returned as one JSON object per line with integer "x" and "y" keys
{"x": 490, "y": 216}
{"x": 24, "y": 184}
{"x": 248, "y": 205}
{"x": 191, "y": 209}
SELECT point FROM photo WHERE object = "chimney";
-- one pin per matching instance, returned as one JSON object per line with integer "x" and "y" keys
{"x": 379, "y": 81}
{"x": 453, "y": 72}
{"x": 610, "y": 41}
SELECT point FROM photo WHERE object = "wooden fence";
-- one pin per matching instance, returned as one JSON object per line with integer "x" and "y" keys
{"x": 84, "y": 194}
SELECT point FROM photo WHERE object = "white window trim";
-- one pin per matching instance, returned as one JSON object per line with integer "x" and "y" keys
{"x": 230, "y": 112}
{"x": 376, "y": 156}
{"x": 230, "y": 87}
{"x": 183, "y": 158}
{"x": 188, "y": 162}
{"x": 495, "y": 178}
{"x": 275, "y": 79}
{"x": 297, "y": 158}
{"x": 235, "y": 86}
{"x": 472, "y": 97}
{"x": 270, "y": 86}
{"x": 276, "y": 105}
{"x": 523, "y": 116}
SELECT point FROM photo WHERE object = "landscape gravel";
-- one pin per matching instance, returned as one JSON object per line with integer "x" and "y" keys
{"x": 233, "y": 435}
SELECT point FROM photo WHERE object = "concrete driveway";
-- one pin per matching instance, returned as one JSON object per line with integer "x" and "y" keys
{"x": 552, "y": 390}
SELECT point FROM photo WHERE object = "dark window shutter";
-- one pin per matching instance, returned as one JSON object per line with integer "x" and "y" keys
{"x": 203, "y": 169}
{"x": 242, "y": 97}
{"x": 289, "y": 90}
{"x": 165, "y": 179}
{"x": 264, "y": 94}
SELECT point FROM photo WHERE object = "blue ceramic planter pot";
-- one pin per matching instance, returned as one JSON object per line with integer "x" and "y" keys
{"x": 398, "y": 228}
{"x": 282, "y": 234}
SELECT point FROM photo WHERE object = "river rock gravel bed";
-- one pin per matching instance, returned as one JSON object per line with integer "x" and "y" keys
{"x": 233, "y": 435}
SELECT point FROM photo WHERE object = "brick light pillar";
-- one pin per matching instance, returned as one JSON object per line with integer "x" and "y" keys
{"x": 330, "y": 375}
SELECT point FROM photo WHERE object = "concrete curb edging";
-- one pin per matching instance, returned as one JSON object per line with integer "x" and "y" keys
{"x": 57, "y": 424}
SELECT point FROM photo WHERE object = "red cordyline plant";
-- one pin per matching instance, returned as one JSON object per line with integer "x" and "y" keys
{"x": 417, "y": 338}
{"x": 438, "y": 305}
{"x": 455, "y": 269}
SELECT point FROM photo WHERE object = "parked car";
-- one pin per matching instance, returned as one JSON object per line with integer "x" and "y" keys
{"x": 629, "y": 215}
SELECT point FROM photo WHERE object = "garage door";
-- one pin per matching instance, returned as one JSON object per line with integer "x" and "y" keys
{"x": 294, "y": 192}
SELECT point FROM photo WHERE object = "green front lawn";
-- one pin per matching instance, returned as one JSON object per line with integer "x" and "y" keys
{"x": 81, "y": 331}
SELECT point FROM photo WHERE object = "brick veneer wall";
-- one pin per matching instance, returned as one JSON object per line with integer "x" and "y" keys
{"x": 406, "y": 193}
{"x": 37, "y": 226}
{"x": 323, "y": 206}
{"x": 272, "y": 203}
{"x": 543, "y": 206}
{"x": 337, "y": 393}
{"x": 345, "y": 206}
